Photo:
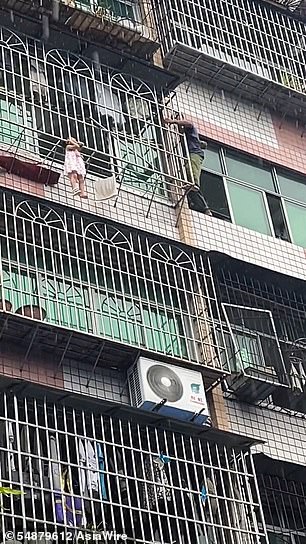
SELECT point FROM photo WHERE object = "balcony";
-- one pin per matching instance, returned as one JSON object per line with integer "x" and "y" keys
{"x": 91, "y": 278}
{"x": 48, "y": 94}
{"x": 119, "y": 24}
{"x": 294, "y": 6}
{"x": 256, "y": 360}
{"x": 246, "y": 48}
{"x": 43, "y": 428}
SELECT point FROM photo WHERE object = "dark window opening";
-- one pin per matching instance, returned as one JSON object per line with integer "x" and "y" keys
{"x": 213, "y": 190}
{"x": 278, "y": 218}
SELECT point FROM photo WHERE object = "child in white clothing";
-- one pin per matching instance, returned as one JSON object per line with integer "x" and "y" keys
{"x": 74, "y": 167}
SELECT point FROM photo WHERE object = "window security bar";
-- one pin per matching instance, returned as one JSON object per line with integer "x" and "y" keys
{"x": 287, "y": 308}
{"x": 92, "y": 277}
{"x": 51, "y": 95}
{"x": 283, "y": 502}
{"x": 255, "y": 341}
{"x": 81, "y": 471}
{"x": 255, "y": 37}
{"x": 122, "y": 22}
{"x": 292, "y": 5}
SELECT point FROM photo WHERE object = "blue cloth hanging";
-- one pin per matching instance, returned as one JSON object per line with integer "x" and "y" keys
{"x": 101, "y": 463}
{"x": 164, "y": 458}
{"x": 204, "y": 495}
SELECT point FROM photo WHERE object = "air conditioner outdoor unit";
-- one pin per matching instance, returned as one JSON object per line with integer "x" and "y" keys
{"x": 169, "y": 390}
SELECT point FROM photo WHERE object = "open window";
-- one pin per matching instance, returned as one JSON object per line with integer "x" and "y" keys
{"x": 256, "y": 360}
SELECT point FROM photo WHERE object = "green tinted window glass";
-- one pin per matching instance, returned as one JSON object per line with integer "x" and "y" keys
{"x": 19, "y": 288}
{"x": 12, "y": 121}
{"x": 164, "y": 333}
{"x": 249, "y": 208}
{"x": 142, "y": 164}
{"x": 9, "y": 122}
{"x": 292, "y": 185}
{"x": 249, "y": 170}
{"x": 297, "y": 222}
{"x": 119, "y": 9}
{"x": 212, "y": 159}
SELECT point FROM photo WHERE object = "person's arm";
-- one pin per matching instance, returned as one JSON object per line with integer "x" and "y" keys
{"x": 178, "y": 122}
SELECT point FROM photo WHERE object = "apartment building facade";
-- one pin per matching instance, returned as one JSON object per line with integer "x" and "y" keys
{"x": 101, "y": 296}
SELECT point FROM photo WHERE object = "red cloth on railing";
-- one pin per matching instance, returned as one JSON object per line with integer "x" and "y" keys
{"x": 29, "y": 170}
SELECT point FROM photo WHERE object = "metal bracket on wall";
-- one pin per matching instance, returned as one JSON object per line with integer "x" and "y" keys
{"x": 64, "y": 354}
{"x": 34, "y": 334}
{"x": 4, "y": 326}
{"x": 95, "y": 363}
{"x": 217, "y": 85}
{"x": 237, "y": 87}
{"x": 190, "y": 77}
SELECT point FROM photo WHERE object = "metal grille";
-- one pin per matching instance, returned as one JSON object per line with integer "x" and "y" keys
{"x": 284, "y": 506}
{"x": 253, "y": 341}
{"x": 250, "y": 35}
{"x": 280, "y": 342}
{"x": 48, "y": 95}
{"x": 93, "y": 277}
{"x": 78, "y": 469}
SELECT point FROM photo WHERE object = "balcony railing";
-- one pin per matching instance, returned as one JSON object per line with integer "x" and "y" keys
{"x": 121, "y": 24}
{"x": 256, "y": 359}
{"x": 91, "y": 277}
{"x": 48, "y": 95}
{"x": 48, "y": 442}
{"x": 245, "y": 44}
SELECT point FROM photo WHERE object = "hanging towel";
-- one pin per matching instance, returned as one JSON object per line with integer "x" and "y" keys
{"x": 38, "y": 79}
{"x": 106, "y": 188}
{"x": 56, "y": 479}
{"x": 101, "y": 463}
{"x": 109, "y": 104}
{"x": 11, "y": 439}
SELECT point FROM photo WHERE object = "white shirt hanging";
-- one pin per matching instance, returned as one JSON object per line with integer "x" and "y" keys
{"x": 90, "y": 475}
{"x": 38, "y": 79}
{"x": 108, "y": 103}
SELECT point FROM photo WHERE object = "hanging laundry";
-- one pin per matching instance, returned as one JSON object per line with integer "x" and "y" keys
{"x": 32, "y": 467}
{"x": 101, "y": 463}
{"x": 297, "y": 376}
{"x": 109, "y": 106}
{"x": 68, "y": 508}
{"x": 154, "y": 469}
{"x": 9, "y": 469}
{"x": 205, "y": 534}
{"x": 39, "y": 81}
{"x": 106, "y": 188}
{"x": 211, "y": 495}
{"x": 240, "y": 515}
{"x": 90, "y": 481}
{"x": 118, "y": 468}
{"x": 11, "y": 439}
{"x": 72, "y": 505}
{"x": 139, "y": 108}
{"x": 56, "y": 479}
